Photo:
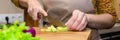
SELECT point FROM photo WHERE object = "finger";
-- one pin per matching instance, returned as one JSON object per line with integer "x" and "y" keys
{"x": 33, "y": 13}
{"x": 72, "y": 19}
{"x": 29, "y": 12}
{"x": 81, "y": 25}
{"x": 84, "y": 26}
{"x": 35, "y": 16}
{"x": 78, "y": 21}
{"x": 68, "y": 24}
{"x": 43, "y": 12}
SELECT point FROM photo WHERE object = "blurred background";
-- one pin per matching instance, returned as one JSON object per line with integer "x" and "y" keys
{"x": 7, "y": 9}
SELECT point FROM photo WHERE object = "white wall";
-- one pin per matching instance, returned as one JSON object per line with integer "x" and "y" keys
{"x": 6, "y": 6}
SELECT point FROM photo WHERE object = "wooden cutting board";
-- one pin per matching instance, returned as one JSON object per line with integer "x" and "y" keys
{"x": 70, "y": 35}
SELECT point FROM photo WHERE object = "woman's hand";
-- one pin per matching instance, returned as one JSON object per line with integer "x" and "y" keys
{"x": 34, "y": 8}
{"x": 78, "y": 21}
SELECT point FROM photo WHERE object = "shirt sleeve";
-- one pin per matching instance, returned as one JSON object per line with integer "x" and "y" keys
{"x": 105, "y": 6}
{"x": 15, "y": 2}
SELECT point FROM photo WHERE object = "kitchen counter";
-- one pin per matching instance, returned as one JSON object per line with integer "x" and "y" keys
{"x": 115, "y": 28}
{"x": 69, "y": 35}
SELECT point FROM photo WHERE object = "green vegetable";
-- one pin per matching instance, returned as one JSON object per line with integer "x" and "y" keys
{"x": 47, "y": 30}
{"x": 62, "y": 28}
{"x": 1, "y": 26}
{"x": 53, "y": 29}
{"x": 14, "y": 32}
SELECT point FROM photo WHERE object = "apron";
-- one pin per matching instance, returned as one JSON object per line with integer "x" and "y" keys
{"x": 63, "y": 10}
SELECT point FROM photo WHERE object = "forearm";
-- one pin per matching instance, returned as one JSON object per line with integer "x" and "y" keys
{"x": 26, "y": 3}
{"x": 101, "y": 21}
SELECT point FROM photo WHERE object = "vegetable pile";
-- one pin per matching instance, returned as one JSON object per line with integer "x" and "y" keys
{"x": 15, "y": 32}
{"x": 53, "y": 29}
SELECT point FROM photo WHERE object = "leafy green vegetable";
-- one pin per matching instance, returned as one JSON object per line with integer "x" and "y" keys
{"x": 14, "y": 32}
{"x": 1, "y": 26}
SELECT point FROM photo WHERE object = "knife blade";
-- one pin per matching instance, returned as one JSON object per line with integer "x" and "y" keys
{"x": 52, "y": 20}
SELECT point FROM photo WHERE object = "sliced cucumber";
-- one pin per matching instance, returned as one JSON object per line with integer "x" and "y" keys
{"x": 53, "y": 29}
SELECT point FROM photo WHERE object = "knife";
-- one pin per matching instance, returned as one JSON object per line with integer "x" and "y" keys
{"x": 52, "y": 20}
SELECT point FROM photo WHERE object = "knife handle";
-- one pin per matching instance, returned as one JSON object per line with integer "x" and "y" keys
{"x": 40, "y": 19}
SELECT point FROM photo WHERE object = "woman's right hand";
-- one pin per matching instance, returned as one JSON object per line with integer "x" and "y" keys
{"x": 34, "y": 8}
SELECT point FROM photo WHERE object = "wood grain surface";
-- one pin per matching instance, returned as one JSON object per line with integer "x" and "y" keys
{"x": 69, "y": 35}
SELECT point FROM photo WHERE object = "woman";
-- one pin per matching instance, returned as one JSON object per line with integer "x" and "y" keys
{"x": 78, "y": 13}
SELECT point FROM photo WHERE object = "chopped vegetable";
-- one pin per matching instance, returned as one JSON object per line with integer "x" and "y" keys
{"x": 62, "y": 28}
{"x": 53, "y": 29}
{"x": 47, "y": 30}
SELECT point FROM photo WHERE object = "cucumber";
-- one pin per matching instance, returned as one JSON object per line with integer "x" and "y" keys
{"x": 53, "y": 29}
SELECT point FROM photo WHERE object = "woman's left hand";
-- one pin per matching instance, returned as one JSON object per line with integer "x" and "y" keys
{"x": 78, "y": 21}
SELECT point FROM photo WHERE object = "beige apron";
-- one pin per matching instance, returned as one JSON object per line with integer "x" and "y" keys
{"x": 68, "y": 6}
